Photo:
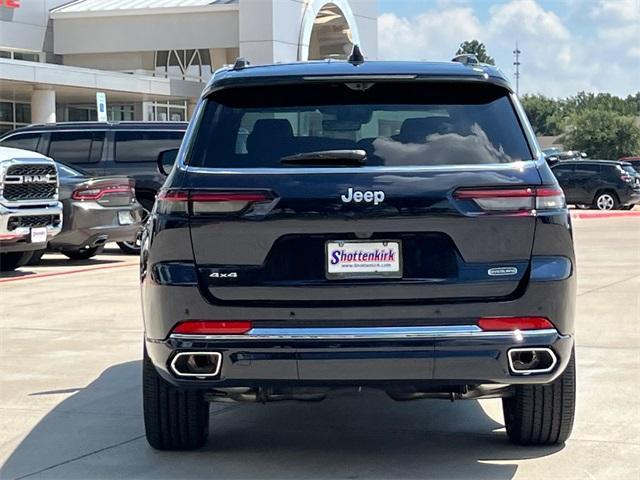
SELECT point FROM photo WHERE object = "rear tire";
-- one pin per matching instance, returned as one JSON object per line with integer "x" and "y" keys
{"x": 82, "y": 254}
{"x": 542, "y": 414}
{"x": 134, "y": 247}
{"x": 130, "y": 248}
{"x": 606, "y": 200}
{"x": 9, "y": 261}
{"x": 174, "y": 419}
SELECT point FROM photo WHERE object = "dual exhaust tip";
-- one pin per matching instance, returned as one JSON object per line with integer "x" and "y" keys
{"x": 522, "y": 361}
{"x": 197, "y": 364}
{"x": 527, "y": 361}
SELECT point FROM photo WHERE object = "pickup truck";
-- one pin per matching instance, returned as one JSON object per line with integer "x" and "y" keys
{"x": 30, "y": 213}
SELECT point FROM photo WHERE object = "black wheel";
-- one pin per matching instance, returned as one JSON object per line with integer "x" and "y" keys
{"x": 605, "y": 201}
{"x": 133, "y": 247}
{"x": 9, "y": 261}
{"x": 174, "y": 419}
{"x": 83, "y": 253}
{"x": 36, "y": 257}
{"x": 130, "y": 248}
{"x": 542, "y": 414}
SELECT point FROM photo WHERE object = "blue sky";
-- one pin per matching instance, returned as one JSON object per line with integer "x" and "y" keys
{"x": 568, "y": 45}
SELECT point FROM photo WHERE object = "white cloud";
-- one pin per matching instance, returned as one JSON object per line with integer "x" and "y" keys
{"x": 556, "y": 60}
{"x": 620, "y": 10}
{"x": 427, "y": 36}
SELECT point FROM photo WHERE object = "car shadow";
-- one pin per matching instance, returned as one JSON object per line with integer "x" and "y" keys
{"x": 49, "y": 261}
{"x": 98, "y": 433}
{"x": 16, "y": 273}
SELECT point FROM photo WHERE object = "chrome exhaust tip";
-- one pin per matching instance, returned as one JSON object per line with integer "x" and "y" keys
{"x": 528, "y": 361}
{"x": 197, "y": 364}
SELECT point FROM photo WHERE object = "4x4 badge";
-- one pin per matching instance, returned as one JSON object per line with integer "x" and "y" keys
{"x": 224, "y": 275}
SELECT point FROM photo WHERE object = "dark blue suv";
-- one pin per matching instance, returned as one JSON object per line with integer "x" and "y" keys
{"x": 329, "y": 225}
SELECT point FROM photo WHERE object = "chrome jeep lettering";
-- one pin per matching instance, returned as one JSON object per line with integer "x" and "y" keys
{"x": 368, "y": 196}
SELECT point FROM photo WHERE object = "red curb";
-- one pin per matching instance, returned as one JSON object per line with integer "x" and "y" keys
{"x": 66, "y": 272}
{"x": 576, "y": 214}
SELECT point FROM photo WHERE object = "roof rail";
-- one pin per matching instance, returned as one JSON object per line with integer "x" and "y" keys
{"x": 356, "y": 57}
{"x": 466, "y": 59}
{"x": 240, "y": 63}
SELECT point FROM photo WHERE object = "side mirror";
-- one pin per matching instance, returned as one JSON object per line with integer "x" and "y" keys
{"x": 165, "y": 160}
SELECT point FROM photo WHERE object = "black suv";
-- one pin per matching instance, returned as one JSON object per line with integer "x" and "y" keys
{"x": 327, "y": 225}
{"x": 600, "y": 184}
{"x": 122, "y": 148}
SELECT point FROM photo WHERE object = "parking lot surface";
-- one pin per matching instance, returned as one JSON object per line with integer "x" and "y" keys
{"x": 70, "y": 403}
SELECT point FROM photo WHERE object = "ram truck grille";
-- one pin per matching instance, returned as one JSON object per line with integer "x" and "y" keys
{"x": 30, "y": 182}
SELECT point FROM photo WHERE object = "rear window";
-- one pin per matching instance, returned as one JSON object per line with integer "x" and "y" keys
{"x": 77, "y": 147}
{"x": 395, "y": 124}
{"x": 144, "y": 145}
{"x": 25, "y": 141}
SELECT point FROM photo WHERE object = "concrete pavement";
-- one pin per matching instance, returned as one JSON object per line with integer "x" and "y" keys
{"x": 70, "y": 407}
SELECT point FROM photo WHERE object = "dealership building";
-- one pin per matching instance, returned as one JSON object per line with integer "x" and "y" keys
{"x": 152, "y": 57}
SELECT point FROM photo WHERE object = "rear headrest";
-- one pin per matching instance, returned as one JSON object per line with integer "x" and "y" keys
{"x": 414, "y": 130}
{"x": 267, "y": 132}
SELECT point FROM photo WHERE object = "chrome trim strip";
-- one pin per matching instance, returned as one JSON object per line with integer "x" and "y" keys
{"x": 388, "y": 169}
{"x": 218, "y": 356}
{"x": 349, "y": 333}
{"x": 360, "y": 78}
{"x": 554, "y": 359}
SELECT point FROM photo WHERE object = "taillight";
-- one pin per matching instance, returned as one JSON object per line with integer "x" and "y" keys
{"x": 202, "y": 203}
{"x": 514, "y": 200}
{"x": 98, "y": 192}
{"x": 212, "y": 327}
{"x": 514, "y": 323}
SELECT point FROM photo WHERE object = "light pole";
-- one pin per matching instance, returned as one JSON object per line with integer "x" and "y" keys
{"x": 517, "y": 53}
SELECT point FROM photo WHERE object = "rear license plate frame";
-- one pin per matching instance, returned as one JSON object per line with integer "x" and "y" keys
{"x": 367, "y": 275}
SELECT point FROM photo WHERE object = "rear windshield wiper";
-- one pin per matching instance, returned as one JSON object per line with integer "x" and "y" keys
{"x": 337, "y": 158}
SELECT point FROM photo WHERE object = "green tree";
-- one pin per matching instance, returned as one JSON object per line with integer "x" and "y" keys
{"x": 478, "y": 49}
{"x": 545, "y": 114}
{"x": 603, "y": 134}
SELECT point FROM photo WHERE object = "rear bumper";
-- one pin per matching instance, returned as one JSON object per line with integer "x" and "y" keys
{"x": 91, "y": 224}
{"x": 453, "y": 355}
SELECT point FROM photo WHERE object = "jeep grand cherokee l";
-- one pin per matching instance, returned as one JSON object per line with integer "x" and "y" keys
{"x": 388, "y": 225}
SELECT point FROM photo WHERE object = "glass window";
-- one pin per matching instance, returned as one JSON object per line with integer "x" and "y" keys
{"x": 144, "y": 145}
{"x": 67, "y": 172}
{"x": 23, "y": 113}
{"x": 587, "y": 169}
{"x": 561, "y": 170}
{"x": 6, "y": 112}
{"x": 395, "y": 124}
{"x": 27, "y": 57}
{"x": 76, "y": 147}
{"x": 5, "y": 54}
{"x": 26, "y": 141}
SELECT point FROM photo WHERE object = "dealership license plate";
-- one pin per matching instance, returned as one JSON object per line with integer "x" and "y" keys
{"x": 125, "y": 218}
{"x": 355, "y": 259}
{"x": 39, "y": 235}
